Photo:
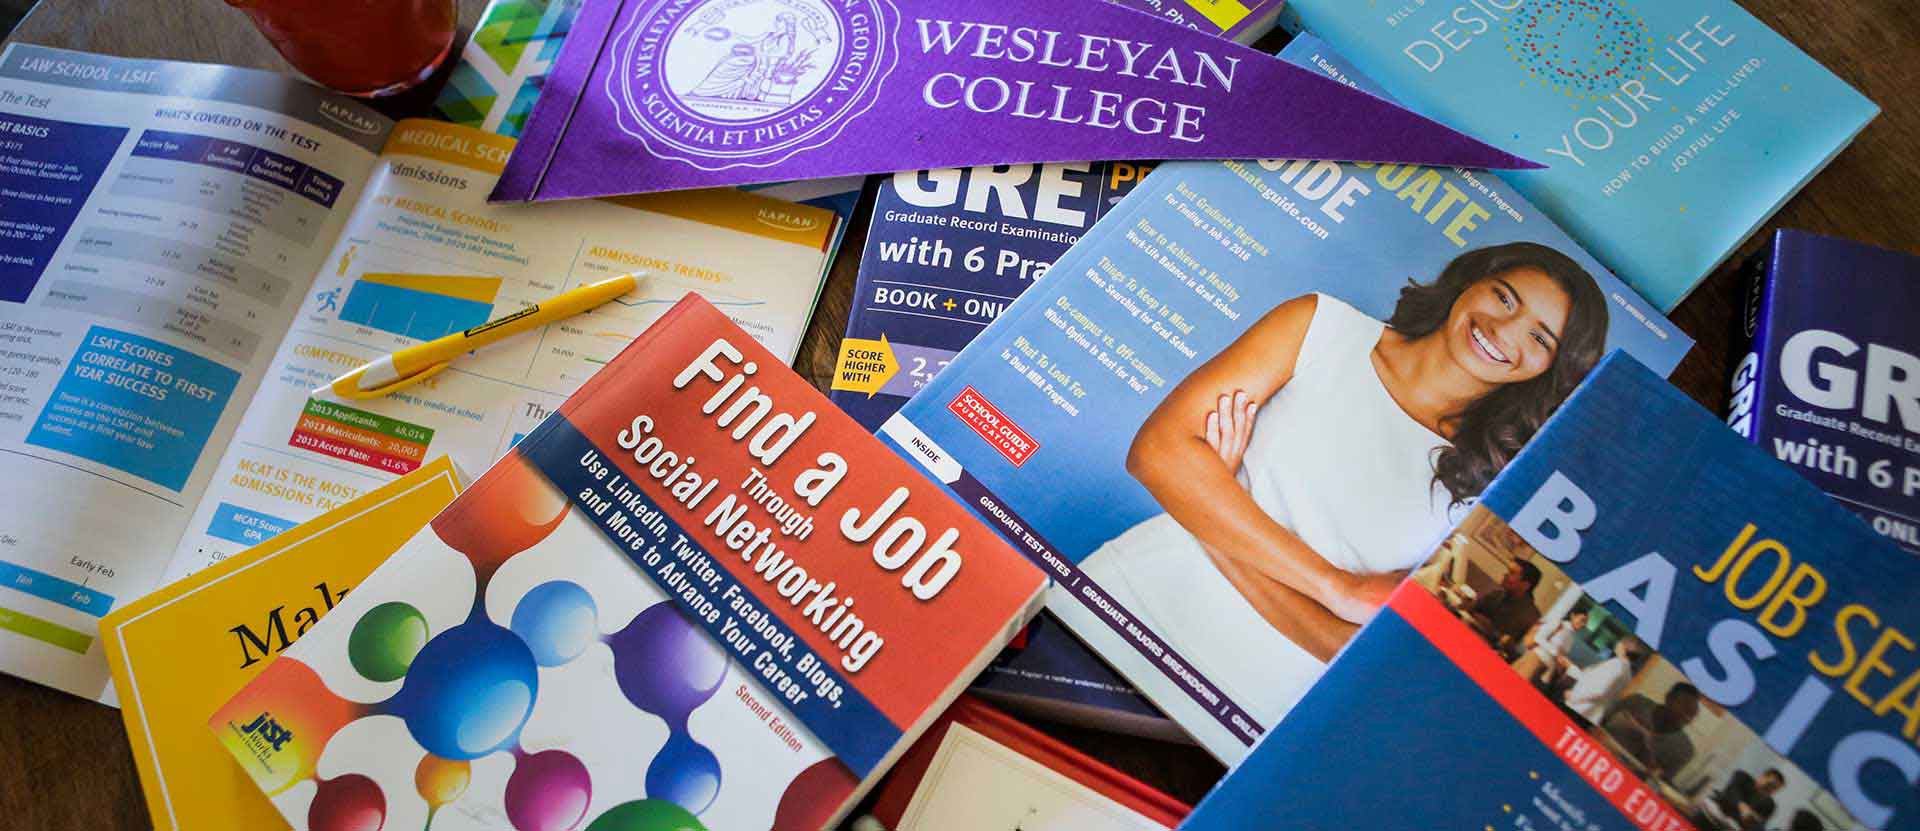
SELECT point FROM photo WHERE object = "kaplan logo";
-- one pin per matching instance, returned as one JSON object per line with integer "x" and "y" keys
{"x": 784, "y": 220}
{"x": 267, "y": 730}
{"x": 340, "y": 114}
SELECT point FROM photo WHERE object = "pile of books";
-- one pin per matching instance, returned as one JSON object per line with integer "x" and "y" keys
{"x": 1364, "y": 478}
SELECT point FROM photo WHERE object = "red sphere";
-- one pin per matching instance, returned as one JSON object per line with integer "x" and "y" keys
{"x": 348, "y": 803}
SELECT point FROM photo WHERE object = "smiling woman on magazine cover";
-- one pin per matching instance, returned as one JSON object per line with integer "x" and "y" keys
{"x": 1315, "y": 459}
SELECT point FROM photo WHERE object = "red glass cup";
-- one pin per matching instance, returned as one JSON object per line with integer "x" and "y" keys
{"x": 360, "y": 47}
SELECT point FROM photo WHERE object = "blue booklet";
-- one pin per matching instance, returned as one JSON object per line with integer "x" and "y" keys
{"x": 1645, "y": 625}
{"x": 1831, "y": 381}
{"x": 1252, "y": 395}
{"x": 947, "y": 250}
{"x": 1672, "y": 129}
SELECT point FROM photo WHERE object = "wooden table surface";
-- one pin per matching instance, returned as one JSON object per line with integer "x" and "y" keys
{"x": 64, "y": 761}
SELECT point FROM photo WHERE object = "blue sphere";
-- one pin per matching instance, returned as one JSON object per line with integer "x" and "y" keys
{"x": 684, "y": 773}
{"x": 557, "y": 620}
{"x": 469, "y": 691}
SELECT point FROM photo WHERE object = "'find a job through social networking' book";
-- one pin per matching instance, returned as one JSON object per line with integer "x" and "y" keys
{"x": 1252, "y": 395}
{"x": 1671, "y": 128}
{"x": 1645, "y": 625}
{"x": 695, "y": 597}
{"x": 1831, "y": 383}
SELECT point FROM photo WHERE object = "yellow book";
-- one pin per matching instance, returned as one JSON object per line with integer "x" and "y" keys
{"x": 179, "y": 653}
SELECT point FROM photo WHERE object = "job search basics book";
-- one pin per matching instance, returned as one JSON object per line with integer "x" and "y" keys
{"x": 182, "y": 651}
{"x": 1830, "y": 380}
{"x": 198, "y": 247}
{"x": 695, "y": 597}
{"x": 1671, "y": 129}
{"x": 1646, "y": 624}
{"x": 1250, "y": 397}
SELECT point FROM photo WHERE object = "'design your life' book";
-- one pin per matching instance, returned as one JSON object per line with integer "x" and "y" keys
{"x": 696, "y": 597}
{"x": 1646, "y": 624}
{"x": 1671, "y": 129}
{"x": 1244, "y": 402}
{"x": 1830, "y": 382}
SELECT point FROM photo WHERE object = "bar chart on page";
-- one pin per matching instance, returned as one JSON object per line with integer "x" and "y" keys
{"x": 419, "y": 306}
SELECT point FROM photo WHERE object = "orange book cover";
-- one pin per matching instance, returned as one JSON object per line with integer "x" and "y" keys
{"x": 698, "y": 596}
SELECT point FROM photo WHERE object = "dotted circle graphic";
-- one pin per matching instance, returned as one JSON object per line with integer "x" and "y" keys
{"x": 1580, "y": 48}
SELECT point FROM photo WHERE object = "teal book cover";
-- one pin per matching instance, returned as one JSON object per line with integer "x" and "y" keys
{"x": 1671, "y": 130}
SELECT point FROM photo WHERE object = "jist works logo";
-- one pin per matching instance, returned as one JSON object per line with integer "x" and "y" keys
{"x": 268, "y": 731}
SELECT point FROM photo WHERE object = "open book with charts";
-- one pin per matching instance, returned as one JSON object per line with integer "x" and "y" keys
{"x": 190, "y": 250}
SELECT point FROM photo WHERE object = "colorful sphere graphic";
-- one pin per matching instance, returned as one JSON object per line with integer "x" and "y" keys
{"x": 348, "y": 803}
{"x": 1581, "y": 48}
{"x": 646, "y": 815}
{"x": 666, "y": 665}
{"x": 548, "y": 791}
{"x": 440, "y": 781}
{"x": 524, "y": 509}
{"x": 385, "y": 639}
{"x": 469, "y": 691}
{"x": 685, "y": 773}
{"x": 558, "y": 621}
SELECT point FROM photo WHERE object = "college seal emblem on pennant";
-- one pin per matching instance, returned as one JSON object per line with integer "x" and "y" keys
{"x": 727, "y": 83}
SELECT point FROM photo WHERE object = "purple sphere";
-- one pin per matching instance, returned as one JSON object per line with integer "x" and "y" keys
{"x": 665, "y": 664}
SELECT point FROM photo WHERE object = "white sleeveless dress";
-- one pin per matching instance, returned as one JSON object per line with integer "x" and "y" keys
{"x": 1334, "y": 459}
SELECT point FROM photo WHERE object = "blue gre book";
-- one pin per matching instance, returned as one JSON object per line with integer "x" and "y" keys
{"x": 1646, "y": 624}
{"x": 1672, "y": 130}
{"x": 1253, "y": 395}
{"x": 1831, "y": 381}
{"x": 947, "y": 250}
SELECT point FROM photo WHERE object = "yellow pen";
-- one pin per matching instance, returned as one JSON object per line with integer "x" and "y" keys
{"x": 416, "y": 363}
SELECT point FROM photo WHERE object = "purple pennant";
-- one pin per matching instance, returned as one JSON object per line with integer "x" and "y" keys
{"x": 654, "y": 95}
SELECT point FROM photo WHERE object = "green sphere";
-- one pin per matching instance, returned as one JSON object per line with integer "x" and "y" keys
{"x": 385, "y": 640}
{"x": 646, "y": 815}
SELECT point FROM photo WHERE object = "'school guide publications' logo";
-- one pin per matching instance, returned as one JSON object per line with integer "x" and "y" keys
{"x": 1005, "y": 436}
{"x": 729, "y": 83}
